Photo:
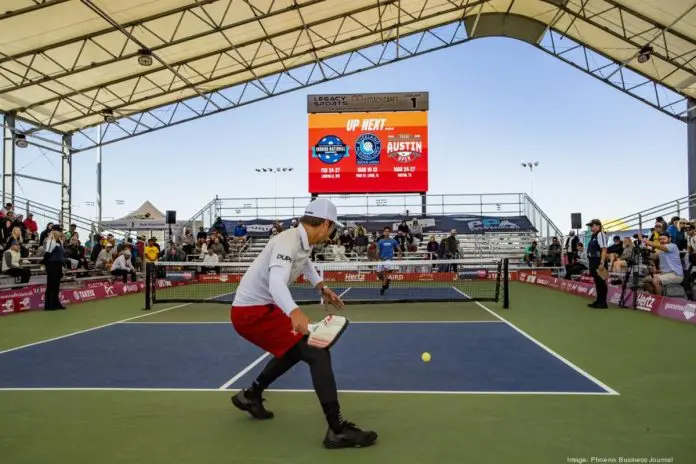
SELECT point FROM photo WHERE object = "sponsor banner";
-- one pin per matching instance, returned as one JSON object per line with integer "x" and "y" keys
{"x": 377, "y": 152}
{"x": 473, "y": 274}
{"x": 27, "y": 299}
{"x": 672, "y": 308}
{"x": 180, "y": 276}
{"x": 462, "y": 224}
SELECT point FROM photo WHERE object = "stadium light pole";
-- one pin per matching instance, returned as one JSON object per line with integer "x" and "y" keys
{"x": 531, "y": 165}
{"x": 275, "y": 172}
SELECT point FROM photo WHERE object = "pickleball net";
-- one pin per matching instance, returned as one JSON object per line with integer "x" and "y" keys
{"x": 411, "y": 281}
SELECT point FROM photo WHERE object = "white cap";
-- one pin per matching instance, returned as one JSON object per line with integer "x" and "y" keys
{"x": 323, "y": 209}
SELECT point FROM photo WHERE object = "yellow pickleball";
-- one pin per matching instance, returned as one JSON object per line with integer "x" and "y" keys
{"x": 425, "y": 357}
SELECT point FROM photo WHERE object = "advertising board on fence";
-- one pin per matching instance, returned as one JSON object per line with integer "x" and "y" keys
{"x": 672, "y": 308}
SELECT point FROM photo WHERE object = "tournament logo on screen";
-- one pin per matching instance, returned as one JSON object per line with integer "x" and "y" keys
{"x": 330, "y": 150}
{"x": 367, "y": 149}
{"x": 404, "y": 148}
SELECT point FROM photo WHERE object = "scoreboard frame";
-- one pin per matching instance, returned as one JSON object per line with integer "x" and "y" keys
{"x": 363, "y": 107}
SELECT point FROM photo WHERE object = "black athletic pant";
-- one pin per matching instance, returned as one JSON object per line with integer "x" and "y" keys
{"x": 124, "y": 273}
{"x": 600, "y": 284}
{"x": 54, "y": 273}
{"x": 319, "y": 361}
{"x": 23, "y": 273}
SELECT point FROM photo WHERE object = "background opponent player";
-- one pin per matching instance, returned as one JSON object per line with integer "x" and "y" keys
{"x": 264, "y": 313}
{"x": 386, "y": 246}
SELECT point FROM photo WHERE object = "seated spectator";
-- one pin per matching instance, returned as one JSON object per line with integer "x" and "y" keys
{"x": 361, "y": 242}
{"x": 531, "y": 254}
{"x": 671, "y": 268}
{"x": 339, "y": 252}
{"x": 12, "y": 263}
{"x": 582, "y": 263}
{"x": 73, "y": 230}
{"x": 189, "y": 244}
{"x": 174, "y": 254}
{"x": 620, "y": 263}
{"x": 274, "y": 233}
{"x": 105, "y": 258}
{"x": 240, "y": 233}
{"x": 403, "y": 227}
{"x": 44, "y": 233}
{"x": 673, "y": 229}
{"x": 346, "y": 240}
{"x": 31, "y": 227}
{"x": 220, "y": 226}
{"x": 76, "y": 252}
{"x": 211, "y": 258}
{"x": 433, "y": 247}
{"x": 417, "y": 230}
{"x": 614, "y": 250}
{"x": 122, "y": 266}
{"x": 294, "y": 223}
{"x": 553, "y": 255}
{"x": 201, "y": 234}
{"x": 372, "y": 251}
{"x": 217, "y": 247}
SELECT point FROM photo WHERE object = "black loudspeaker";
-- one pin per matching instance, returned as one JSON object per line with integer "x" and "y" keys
{"x": 575, "y": 221}
{"x": 171, "y": 217}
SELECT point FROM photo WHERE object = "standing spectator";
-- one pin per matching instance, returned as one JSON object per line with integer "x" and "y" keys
{"x": 54, "y": 260}
{"x": 31, "y": 226}
{"x": 220, "y": 226}
{"x": 189, "y": 244}
{"x": 571, "y": 247}
{"x": 597, "y": 256}
{"x": 44, "y": 234}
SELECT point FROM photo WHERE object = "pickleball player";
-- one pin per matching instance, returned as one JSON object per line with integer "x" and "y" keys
{"x": 386, "y": 246}
{"x": 264, "y": 313}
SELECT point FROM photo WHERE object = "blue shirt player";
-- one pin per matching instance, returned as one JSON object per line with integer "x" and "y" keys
{"x": 386, "y": 246}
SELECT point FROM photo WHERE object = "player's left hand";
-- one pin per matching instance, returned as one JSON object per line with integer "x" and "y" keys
{"x": 330, "y": 296}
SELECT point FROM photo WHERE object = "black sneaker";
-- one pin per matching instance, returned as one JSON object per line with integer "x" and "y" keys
{"x": 251, "y": 403}
{"x": 349, "y": 436}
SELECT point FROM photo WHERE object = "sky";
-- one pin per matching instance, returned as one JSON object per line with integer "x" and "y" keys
{"x": 494, "y": 103}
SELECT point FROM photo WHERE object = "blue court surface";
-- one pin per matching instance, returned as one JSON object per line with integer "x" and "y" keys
{"x": 467, "y": 357}
{"x": 372, "y": 294}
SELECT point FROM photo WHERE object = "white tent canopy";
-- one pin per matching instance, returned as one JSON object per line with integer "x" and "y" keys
{"x": 147, "y": 217}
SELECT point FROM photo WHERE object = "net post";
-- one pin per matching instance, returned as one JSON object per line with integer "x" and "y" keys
{"x": 506, "y": 283}
{"x": 148, "y": 286}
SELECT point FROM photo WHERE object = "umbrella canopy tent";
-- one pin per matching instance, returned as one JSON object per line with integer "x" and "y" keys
{"x": 147, "y": 217}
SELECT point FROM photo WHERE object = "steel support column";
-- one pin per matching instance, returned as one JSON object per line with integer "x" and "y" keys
{"x": 8, "y": 159}
{"x": 99, "y": 180}
{"x": 691, "y": 152}
{"x": 66, "y": 181}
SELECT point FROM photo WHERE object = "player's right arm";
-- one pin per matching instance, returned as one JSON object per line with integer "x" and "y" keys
{"x": 279, "y": 274}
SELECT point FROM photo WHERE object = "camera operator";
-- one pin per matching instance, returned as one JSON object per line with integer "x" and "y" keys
{"x": 597, "y": 256}
{"x": 671, "y": 268}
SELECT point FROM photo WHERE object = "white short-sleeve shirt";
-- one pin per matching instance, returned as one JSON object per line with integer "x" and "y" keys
{"x": 289, "y": 250}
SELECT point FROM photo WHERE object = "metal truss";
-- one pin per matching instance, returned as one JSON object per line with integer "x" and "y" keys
{"x": 190, "y": 93}
{"x": 577, "y": 55}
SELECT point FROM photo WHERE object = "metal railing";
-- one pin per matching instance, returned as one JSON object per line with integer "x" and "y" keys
{"x": 646, "y": 219}
{"x": 406, "y": 205}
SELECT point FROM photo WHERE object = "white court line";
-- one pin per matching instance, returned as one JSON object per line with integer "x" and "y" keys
{"x": 580, "y": 371}
{"x": 365, "y": 392}
{"x": 352, "y": 322}
{"x": 244, "y": 371}
{"x": 92, "y": 328}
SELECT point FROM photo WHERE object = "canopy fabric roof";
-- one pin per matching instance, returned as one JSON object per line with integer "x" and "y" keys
{"x": 147, "y": 217}
{"x": 63, "y": 62}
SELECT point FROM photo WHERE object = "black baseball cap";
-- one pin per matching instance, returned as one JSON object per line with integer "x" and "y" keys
{"x": 594, "y": 222}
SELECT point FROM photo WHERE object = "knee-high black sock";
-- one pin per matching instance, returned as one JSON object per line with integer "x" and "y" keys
{"x": 275, "y": 368}
{"x": 324, "y": 382}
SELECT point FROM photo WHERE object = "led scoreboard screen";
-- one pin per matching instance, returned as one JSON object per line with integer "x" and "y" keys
{"x": 375, "y": 152}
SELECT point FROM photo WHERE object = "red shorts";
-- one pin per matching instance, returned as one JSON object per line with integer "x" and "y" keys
{"x": 266, "y": 326}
